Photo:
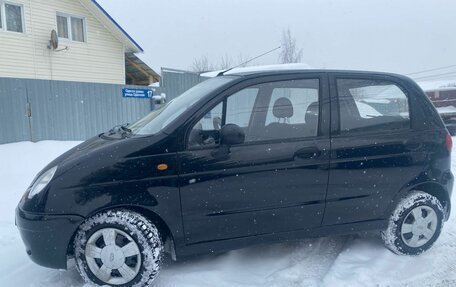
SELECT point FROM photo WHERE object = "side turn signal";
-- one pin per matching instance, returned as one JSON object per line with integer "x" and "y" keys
{"x": 162, "y": 166}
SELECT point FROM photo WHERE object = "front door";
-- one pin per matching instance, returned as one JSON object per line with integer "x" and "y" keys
{"x": 276, "y": 180}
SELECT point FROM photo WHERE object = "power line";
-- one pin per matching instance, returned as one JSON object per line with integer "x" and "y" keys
{"x": 436, "y": 75}
{"x": 431, "y": 70}
{"x": 443, "y": 78}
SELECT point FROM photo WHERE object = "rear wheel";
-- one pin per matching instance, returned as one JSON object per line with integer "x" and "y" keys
{"x": 118, "y": 248}
{"x": 414, "y": 225}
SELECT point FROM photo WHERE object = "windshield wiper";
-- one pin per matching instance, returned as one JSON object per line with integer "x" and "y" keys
{"x": 123, "y": 129}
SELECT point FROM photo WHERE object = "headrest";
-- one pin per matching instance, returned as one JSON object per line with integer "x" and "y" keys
{"x": 312, "y": 112}
{"x": 283, "y": 108}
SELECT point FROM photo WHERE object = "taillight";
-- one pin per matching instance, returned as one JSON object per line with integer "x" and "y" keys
{"x": 449, "y": 142}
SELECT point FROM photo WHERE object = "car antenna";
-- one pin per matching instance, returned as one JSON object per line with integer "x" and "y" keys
{"x": 248, "y": 61}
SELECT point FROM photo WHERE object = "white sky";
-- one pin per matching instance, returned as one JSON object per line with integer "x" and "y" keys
{"x": 401, "y": 36}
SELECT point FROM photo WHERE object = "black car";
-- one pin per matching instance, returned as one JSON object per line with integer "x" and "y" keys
{"x": 242, "y": 159}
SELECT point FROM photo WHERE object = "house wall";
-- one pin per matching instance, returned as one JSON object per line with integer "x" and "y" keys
{"x": 25, "y": 55}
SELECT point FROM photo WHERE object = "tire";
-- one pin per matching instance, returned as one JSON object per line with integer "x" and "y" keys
{"x": 406, "y": 235}
{"x": 118, "y": 248}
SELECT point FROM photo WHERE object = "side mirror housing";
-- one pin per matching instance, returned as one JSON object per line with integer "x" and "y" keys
{"x": 231, "y": 134}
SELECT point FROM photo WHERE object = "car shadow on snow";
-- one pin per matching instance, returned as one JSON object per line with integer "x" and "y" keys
{"x": 305, "y": 262}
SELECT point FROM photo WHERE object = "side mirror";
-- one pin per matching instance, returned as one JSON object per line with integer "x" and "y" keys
{"x": 231, "y": 134}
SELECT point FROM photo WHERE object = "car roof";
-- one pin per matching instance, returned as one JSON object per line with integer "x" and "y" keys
{"x": 255, "y": 73}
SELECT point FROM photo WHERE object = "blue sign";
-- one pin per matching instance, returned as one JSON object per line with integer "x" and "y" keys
{"x": 137, "y": 93}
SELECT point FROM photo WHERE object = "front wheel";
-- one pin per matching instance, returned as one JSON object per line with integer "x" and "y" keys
{"x": 414, "y": 225}
{"x": 118, "y": 248}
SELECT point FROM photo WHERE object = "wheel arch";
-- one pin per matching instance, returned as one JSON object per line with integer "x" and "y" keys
{"x": 432, "y": 188}
{"x": 163, "y": 228}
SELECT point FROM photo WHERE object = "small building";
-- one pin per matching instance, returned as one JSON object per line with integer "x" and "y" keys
{"x": 92, "y": 46}
{"x": 441, "y": 93}
{"x": 443, "y": 96}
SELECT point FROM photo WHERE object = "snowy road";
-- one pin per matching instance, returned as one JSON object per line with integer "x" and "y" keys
{"x": 358, "y": 260}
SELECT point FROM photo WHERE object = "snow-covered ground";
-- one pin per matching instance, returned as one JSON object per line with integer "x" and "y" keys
{"x": 357, "y": 260}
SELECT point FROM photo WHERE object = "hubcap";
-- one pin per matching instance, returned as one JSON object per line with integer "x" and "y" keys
{"x": 419, "y": 226}
{"x": 113, "y": 256}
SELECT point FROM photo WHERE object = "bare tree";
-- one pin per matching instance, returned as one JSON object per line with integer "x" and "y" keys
{"x": 241, "y": 60}
{"x": 290, "y": 53}
{"x": 225, "y": 63}
{"x": 202, "y": 65}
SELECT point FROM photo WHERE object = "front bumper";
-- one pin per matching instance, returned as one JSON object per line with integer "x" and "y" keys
{"x": 47, "y": 237}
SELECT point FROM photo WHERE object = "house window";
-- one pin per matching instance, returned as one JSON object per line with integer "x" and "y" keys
{"x": 71, "y": 27}
{"x": 62, "y": 27}
{"x": 11, "y": 17}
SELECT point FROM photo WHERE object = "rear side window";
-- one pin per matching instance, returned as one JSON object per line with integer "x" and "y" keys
{"x": 367, "y": 105}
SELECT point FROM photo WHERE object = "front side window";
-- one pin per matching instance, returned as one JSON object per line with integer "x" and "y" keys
{"x": 271, "y": 111}
{"x": 71, "y": 27}
{"x": 371, "y": 105}
{"x": 240, "y": 106}
{"x": 11, "y": 17}
{"x": 206, "y": 130}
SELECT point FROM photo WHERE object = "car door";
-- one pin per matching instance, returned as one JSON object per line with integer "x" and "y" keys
{"x": 276, "y": 180}
{"x": 375, "y": 152}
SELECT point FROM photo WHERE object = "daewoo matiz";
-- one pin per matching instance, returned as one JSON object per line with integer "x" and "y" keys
{"x": 240, "y": 159}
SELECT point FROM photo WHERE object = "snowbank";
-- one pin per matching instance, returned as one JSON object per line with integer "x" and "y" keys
{"x": 357, "y": 260}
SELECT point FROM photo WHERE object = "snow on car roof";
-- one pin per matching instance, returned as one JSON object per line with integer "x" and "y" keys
{"x": 263, "y": 68}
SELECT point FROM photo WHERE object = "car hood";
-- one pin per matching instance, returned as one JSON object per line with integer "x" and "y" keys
{"x": 103, "y": 152}
{"x": 79, "y": 153}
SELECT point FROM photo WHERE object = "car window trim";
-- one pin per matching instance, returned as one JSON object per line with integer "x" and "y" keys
{"x": 223, "y": 96}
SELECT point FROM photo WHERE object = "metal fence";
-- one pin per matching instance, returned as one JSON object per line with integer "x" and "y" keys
{"x": 174, "y": 82}
{"x": 34, "y": 110}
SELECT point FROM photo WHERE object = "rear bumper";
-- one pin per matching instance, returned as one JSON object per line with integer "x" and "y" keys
{"x": 47, "y": 237}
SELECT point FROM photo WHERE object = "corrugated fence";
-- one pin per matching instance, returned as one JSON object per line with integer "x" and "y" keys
{"x": 58, "y": 110}
{"x": 34, "y": 110}
{"x": 174, "y": 82}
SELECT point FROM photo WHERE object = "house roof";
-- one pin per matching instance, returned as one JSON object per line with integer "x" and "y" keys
{"x": 131, "y": 46}
{"x": 138, "y": 73}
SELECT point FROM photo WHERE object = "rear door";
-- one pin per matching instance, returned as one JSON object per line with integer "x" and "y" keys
{"x": 375, "y": 152}
{"x": 276, "y": 181}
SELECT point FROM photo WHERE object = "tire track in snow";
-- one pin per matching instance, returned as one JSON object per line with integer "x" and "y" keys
{"x": 365, "y": 262}
{"x": 310, "y": 262}
{"x": 297, "y": 263}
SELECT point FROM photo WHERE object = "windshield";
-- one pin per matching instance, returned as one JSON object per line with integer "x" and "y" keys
{"x": 163, "y": 116}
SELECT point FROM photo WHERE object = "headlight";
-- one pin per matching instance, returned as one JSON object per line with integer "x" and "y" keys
{"x": 42, "y": 182}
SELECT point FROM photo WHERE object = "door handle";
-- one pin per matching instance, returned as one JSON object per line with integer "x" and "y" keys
{"x": 308, "y": 153}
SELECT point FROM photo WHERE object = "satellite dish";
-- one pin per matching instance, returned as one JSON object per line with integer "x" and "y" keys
{"x": 54, "y": 42}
